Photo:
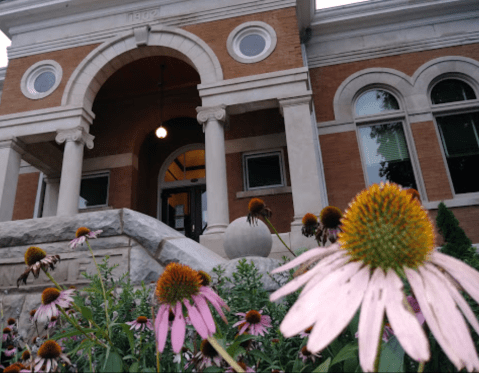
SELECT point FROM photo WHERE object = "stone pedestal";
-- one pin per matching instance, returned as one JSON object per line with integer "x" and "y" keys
{"x": 10, "y": 157}
{"x": 70, "y": 181}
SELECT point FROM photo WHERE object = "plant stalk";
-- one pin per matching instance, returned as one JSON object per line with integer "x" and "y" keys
{"x": 277, "y": 234}
{"x": 225, "y": 355}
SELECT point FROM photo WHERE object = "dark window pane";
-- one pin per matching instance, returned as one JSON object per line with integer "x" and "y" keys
{"x": 44, "y": 82}
{"x": 264, "y": 171}
{"x": 386, "y": 155}
{"x": 376, "y": 101}
{"x": 93, "y": 192}
{"x": 451, "y": 90}
{"x": 252, "y": 45}
{"x": 459, "y": 135}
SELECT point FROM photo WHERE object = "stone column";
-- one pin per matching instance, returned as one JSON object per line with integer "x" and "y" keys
{"x": 70, "y": 181}
{"x": 10, "y": 157}
{"x": 50, "y": 201}
{"x": 212, "y": 119}
{"x": 303, "y": 162}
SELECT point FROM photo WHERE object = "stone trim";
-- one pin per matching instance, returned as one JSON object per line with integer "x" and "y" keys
{"x": 264, "y": 192}
{"x": 110, "y": 161}
{"x": 77, "y": 134}
{"x": 247, "y": 144}
{"x": 103, "y": 61}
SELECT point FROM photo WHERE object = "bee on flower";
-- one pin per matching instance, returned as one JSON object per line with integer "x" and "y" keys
{"x": 387, "y": 237}
{"x": 37, "y": 259}
{"x": 82, "y": 234}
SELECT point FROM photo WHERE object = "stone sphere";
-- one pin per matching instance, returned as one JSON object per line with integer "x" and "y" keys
{"x": 242, "y": 239}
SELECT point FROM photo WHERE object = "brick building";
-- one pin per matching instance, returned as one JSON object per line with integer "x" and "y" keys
{"x": 268, "y": 98}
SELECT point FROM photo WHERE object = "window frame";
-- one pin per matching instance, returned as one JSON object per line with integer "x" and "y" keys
{"x": 386, "y": 117}
{"x": 450, "y": 109}
{"x": 258, "y": 154}
{"x": 92, "y": 175}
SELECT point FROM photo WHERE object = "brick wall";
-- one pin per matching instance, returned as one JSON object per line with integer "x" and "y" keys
{"x": 287, "y": 54}
{"x": 13, "y": 100}
{"x": 325, "y": 81}
{"x": 26, "y": 196}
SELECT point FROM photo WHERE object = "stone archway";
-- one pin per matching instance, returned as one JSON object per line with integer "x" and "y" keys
{"x": 110, "y": 56}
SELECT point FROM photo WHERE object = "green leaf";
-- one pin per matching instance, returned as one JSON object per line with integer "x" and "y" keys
{"x": 324, "y": 367}
{"x": 149, "y": 370}
{"x": 134, "y": 367}
{"x": 113, "y": 362}
{"x": 261, "y": 355}
{"x": 71, "y": 334}
{"x": 347, "y": 352}
{"x": 392, "y": 356}
{"x": 297, "y": 365}
{"x": 235, "y": 349}
{"x": 86, "y": 312}
{"x": 129, "y": 334}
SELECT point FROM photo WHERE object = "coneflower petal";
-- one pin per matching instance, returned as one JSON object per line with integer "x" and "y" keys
{"x": 196, "y": 320}
{"x": 49, "y": 365}
{"x": 309, "y": 307}
{"x": 161, "y": 326}
{"x": 370, "y": 320}
{"x": 178, "y": 329}
{"x": 406, "y": 327}
{"x": 316, "y": 253}
{"x": 338, "y": 308}
{"x": 324, "y": 266}
{"x": 205, "y": 312}
{"x": 423, "y": 297}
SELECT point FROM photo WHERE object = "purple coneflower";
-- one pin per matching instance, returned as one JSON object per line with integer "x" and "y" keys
{"x": 254, "y": 322}
{"x": 257, "y": 208}
{"x": 82, "y": 234}
{"x": 140, "y": 323}
{"x": 51, "y": 298}
{"x": 306, "y": 355}
{"x": 52, "y": 322}
{"x": 48, "y": 354}
{"x": 36, "y": 259}
{"x": 14, "y": 368}
{"x": 208, "y": 355}
{"x": 178, "y": 286}
{"x": 10, "y": 351}
{"x": 386, "y": 236}
{"x": 6, "y": 333}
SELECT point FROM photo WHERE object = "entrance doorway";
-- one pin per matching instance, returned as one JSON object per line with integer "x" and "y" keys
{"x": 182, "y": 191}
{"x": 184, "y": 209}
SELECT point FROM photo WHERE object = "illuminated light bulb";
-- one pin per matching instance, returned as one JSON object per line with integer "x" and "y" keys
{"x": 161, "y": 132}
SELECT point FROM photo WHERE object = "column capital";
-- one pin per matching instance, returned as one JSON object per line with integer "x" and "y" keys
{"x": 213, "y": 112}
{"x": 14, "y": 143}
{"x": 77, "y": 134}
{"x": 295, "y": 101}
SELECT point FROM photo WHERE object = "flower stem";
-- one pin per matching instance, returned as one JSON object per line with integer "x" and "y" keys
{"x": 52, "y": 279}
{"x": 225, "y": 355}
{"x": 378, "y": 353}
{"x": 102, "y": 286}
{"x": 421, "y": 366}
{"x": 277, "y": 234}
{"x": 96, "y": 340}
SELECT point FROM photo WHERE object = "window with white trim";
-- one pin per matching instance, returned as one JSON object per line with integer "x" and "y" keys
{"x": 263, "y": 170}
{"x": 94, "y": 191}
{"x": 458, "y": 128}
{"x": 383, "y": 143}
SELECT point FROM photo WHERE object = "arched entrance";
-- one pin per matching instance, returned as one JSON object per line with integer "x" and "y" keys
{"x": 182, "y": 198}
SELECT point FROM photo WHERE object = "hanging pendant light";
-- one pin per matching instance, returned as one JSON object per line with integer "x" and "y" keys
{"x": 161, "y": 131}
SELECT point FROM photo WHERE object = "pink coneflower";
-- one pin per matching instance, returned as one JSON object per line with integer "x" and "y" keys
{"x": 178, "y": 286}
{"x": 36, "y": 259}
{"x": 51, "y": 298}
{"x": 207, "y": 355}
{"x": 15, "y": 368}
{"x": 6, "y": 333}
{"x": 306, "y": 355}
{"x": 10, "y": 351}
{"x": 386, "y": 235}
{"x": 140, "y": 323}
{"x": 254, "y": 322}
{"x": 52, "y": 322}
{"x": 48, "y": 354}
{"x": 32, "y": 314}
{"x": 82, "y": 234}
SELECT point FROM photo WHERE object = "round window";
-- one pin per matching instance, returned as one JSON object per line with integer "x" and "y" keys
{"x": 251, "y": 42}
{"x": 41, "y": 79}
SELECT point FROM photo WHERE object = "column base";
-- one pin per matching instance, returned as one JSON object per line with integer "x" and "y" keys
{"x": 214, "y": 242}
{"x": 215, "y": 229}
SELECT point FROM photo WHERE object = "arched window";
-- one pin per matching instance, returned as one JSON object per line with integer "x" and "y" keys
{"x": 384, "y": 148}
{"x": 459, "y": 134}
{"x": 187, "y": 166}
